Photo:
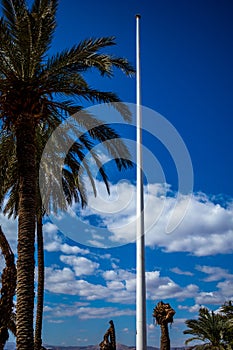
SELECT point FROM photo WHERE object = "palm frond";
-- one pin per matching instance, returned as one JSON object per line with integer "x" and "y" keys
{"x": 43, "y": 23}
{"x": 84, "y": 56}
{"x": 9, "y": 55}
{"x": 13, "y": 10}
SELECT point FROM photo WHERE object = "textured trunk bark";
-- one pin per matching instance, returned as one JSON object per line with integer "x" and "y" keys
{"x": 40, "y": 285}
{"x": 165, "y": 340}
{"x": 25, "y": 140}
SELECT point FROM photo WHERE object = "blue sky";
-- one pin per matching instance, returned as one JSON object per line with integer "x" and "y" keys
{"x": 187, "y": 77}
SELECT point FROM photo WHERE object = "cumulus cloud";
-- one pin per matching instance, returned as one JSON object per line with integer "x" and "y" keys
{"x": 201, "y": 226}
{"x": 86, "y": 312}
{"x": 159, "y": 288}
{"x": 119, "y": 285}
{"x": 206, "y": 227}
{"x": 213, "y": 298}
{"x": 55, "y": 276}
{"x": 53, "y": 242}
{"x": 193, "y": 308}
{"x": 226, "y": 289}
{"x": 81, "y": 265}
{"x": 214, "y": 273}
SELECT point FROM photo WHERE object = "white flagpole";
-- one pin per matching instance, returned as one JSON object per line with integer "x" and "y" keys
{"x": 140, "y": 244}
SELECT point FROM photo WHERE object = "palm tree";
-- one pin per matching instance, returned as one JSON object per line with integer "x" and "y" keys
{"x": 227, "y": 311}
{"x": 163, "y": 313}
{"x": 29, "y": 85}
{"x": 209, "y": 328}
{"x": 7, "y": 316}
{"x": 73, "y": 186}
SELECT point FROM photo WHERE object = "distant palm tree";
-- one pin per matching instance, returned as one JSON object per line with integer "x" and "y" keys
{"x": 29, "y": 85}
{"x": 210, "y": 328}
{"x": 163, "y": 313}
{"x": 8, "y": 279}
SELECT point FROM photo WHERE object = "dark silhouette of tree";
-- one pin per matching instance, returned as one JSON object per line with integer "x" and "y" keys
{"x": 8, "y": 279}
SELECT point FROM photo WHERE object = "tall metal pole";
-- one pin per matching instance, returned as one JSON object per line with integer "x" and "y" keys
{"x": 140, "y": 244}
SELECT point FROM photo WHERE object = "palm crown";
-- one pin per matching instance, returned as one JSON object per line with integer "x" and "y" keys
{"x": 210, "y": 328}
{"x": 30, "y": 81}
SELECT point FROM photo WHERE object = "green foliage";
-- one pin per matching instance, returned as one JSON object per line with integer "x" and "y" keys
{"x": 213, "y": 329}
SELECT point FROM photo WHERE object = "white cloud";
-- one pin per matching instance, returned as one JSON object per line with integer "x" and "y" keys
{"x": 96, "y": 243}
{"x": 159, "y": 288}
{"x": 125, "y": 330}
{"x": 53, "y": 242}
{"x": 214, "y": 273}
{"x": 67, "y": 249}
{"x": 55, "y": 321}
{"x": 178, "y": 271}
{"x": 56, "y": 276}
{"x": 151, "y": 326}
{"x": 179, "y": 321}
{"x": 10, "y": 229}
{"x": 81, "y": 265}
{"x": 119, "y": 285}
{"x": 64, "y": 282}
{"x": 193, "y": 308}
{"x": 115, "y": 285}
{"x": 206, "y": 228}
{"x": 213, "y": 298}
{"x": 86, "y": 312}
{"x": 226, "y": 289}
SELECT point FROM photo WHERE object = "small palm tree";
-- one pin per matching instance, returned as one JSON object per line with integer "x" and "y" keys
{"x": 8, "y": 277}
{"x": 35, "y": 89}
{"x": 210, "y": 328}
{"x": 163, "y": 313}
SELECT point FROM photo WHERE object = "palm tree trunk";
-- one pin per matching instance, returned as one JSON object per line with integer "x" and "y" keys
{"x": 25, "y": 141}
{"x": 40, "y": 285}
{"x": 164, "y": 340}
